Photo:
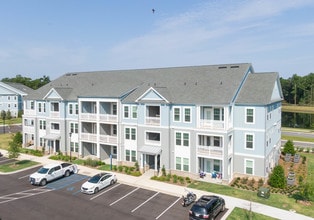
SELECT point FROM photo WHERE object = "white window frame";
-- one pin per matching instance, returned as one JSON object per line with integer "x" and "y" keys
{"x": 245, "y": 141}
{"x": 245, "y": 166}
{"x": 134, "y": 111}
{"x": 126, "y": 109}
{"x": 246, "y": 116}
{"x": 185, "y": 108}
{"x": 182, "y": 139}
{"x": 174, "y": 114}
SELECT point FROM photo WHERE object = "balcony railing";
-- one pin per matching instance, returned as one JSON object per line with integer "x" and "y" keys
{"x": 89, "y": 137}
{"x": 212, "y": 124}
{"x": 29, "y": 112}
{"x": 88, "y": 116}
{"x": 152, "y": 120}
{"x": 28, "y": 129}
{"x": 55, "y": 114}
{"x": 108, "y": 118}
{"x": 109, "y": 139}
{"x": 216, "y": 152}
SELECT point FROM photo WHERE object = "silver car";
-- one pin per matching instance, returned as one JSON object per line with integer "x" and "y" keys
{"x": 98, "y": 182}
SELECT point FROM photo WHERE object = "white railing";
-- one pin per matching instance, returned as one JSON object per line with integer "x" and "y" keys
{"x": 210, "y": 151}
{"x": 212, "y": 124}
{"x": 28, "y": 129}
{"x": 108, "y": 139}
{"x": 55, "y": 114}
{"x": 88, "y": 116}
{"x": 108, "y": 118}
{"x": 152, "y": 120}
{"x": 89, "y": 137}
{"x": 29, "y": 112}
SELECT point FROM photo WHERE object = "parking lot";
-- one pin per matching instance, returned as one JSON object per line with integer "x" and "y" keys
{"x": 62, "y": 199}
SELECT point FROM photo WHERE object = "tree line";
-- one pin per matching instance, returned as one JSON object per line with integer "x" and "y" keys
{"x": 34, "y": 84}
{"x": 298, "y": 90}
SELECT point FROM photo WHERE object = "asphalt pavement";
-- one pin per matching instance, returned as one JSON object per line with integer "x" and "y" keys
{"x": 144, "y": 181}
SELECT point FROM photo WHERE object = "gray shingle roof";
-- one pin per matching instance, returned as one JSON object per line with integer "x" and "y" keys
{"x": 22, "y": 88}
{"x": 258, "y": 89}
{"x": 214, "y": 84}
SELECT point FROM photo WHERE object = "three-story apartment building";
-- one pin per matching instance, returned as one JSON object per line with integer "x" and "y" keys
{"x": 218, "y": 118}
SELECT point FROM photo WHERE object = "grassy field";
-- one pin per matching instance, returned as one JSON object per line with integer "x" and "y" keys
{"x": 244, "y": 214}
{"x": 18, "y": 165}
{"x": 298, "y": 109}
{"x": 11, "y": 121}
{"x": 4, "y": 140}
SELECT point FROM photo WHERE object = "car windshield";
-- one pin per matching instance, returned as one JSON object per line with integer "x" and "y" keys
{"x": 42, "y": 170}
{"x": 94, "y": 179}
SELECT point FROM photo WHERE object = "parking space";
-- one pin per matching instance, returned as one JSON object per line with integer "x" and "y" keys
{"x": 123, "y": 201}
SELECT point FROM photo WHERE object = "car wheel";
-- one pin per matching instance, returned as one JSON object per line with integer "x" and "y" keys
{"x": 96, "y": 190}
{"x": 67, "y": 173}
{"x": 111, "y": 182}
{"x": 211, "y": 218}
{"x": 43, "y": 182}
{"x": 223, "y": 208}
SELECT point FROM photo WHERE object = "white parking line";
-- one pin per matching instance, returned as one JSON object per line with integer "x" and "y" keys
{"x": 124, "y": 196}
{"x": 168, "y": 208}
{"x": 22, "y": 177}
{"x": 145, "y": 202}
{"x": 94, "y": 197}
{"x": 26, "y": 193}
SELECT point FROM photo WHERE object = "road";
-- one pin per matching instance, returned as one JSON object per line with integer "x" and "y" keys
{"x": 10, "y": 128}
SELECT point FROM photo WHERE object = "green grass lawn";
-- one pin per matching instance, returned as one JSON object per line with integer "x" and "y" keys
{"x": 11, "y": 121}
{"x": 18, "y": 165}
{"x": 243, "y": 214}
{"x": 4, "y": 140}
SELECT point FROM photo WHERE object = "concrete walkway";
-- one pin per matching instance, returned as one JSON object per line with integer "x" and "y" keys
{"x": 144, "y": 181}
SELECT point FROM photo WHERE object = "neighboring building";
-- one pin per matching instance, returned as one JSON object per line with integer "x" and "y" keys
{"x": 223, "y": 118}
{"x": 11, "y": 97}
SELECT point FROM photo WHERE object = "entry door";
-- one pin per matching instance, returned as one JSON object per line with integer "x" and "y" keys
{"x": 151, "y": 161}
{"x": 207, "y": 166}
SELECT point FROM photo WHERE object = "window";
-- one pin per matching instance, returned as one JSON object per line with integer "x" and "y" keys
{"x": 249, "y": 115}
{"x": 217, "y": 141}
{"x": 249, "y": 166}
{"x": 133, "y": 155}
{"x": 186, "y": 164}
{"x": 176, "y": 114}
{"x": 114, "y": 109}
{"x": 152, "y": 136}
{"x": 219, "y": 114}
{"x": 187, "y": 115}
{"x": 127, "y": 155}
{"x": 134, "y": 111}
{"x": 73, "y": 109}
{"x": 182, "y": 139}
{"x": 178, "y": 163}
{"x": 73, "y": 128}
{"x": 249, "y": 141}
{"x": 54, "y": 107}
{"x": 39, "y": 107}
{"x": 74, "y": 147}
{"x": 130, "y": 133}
{"x": 217, "y": 165}
{"x": 126, "y": 112}
{"x": 42, "y": 125}
{"x": 32, "y": 104}
{"x": 55, "y": 126}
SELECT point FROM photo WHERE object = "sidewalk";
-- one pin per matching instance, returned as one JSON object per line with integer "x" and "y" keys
{"x": 144, "y": 181}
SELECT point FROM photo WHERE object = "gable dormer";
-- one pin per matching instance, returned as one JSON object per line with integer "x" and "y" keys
{"x": 53, "y": 95}
{"x": 151, "y": 95}
{"x": 276, "y": 93}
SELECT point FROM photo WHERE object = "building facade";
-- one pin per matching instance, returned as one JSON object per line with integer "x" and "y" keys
{"x": 11, "y": 97}
{"x": 222, "y": 119}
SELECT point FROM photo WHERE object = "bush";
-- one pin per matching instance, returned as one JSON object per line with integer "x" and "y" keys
{"x": 289, "y": 148}
{"x": 277, "y": 177}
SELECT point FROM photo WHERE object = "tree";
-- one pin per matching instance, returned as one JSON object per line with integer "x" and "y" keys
{"x": 15, "y": 146}
{"x": 277, "y": 177}
{"x": 289, "y": 148}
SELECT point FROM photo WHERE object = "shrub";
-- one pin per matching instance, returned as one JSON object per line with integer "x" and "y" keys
{"x": 277, "y": 177}
{"x": 163, "y": 170}
{"x": 289, "y": 148}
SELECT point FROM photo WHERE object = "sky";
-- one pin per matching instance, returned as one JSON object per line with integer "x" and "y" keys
{"x": 53, "y": 37}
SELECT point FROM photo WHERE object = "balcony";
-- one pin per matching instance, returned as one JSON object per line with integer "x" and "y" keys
{"x": 108, "y": 139}
{"x": 108, "y": 118}
{"x": 29, "y": 112}
{"x": 89, "y": 137}
{"x": 212, "y": 124}
{"x": 88, "y": 116}
{"x": 152, "y": 120}
{"x": 28, "y": 129}
{"x": 55, "y": 114}
{"x": 215, "y": 152}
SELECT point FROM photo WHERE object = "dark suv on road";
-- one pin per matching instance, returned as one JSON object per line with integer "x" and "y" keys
{"x": 207, "y": 207}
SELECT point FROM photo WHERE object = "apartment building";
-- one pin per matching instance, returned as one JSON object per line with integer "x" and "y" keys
{"x": 212, "y": 118}
{"x": 11, "y": 97}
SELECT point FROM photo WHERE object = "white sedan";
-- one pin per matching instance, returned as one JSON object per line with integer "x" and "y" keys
{"x": 98, "y": 182}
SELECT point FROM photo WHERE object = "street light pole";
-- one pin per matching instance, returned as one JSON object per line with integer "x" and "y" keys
{"x": 70, "y": 134}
